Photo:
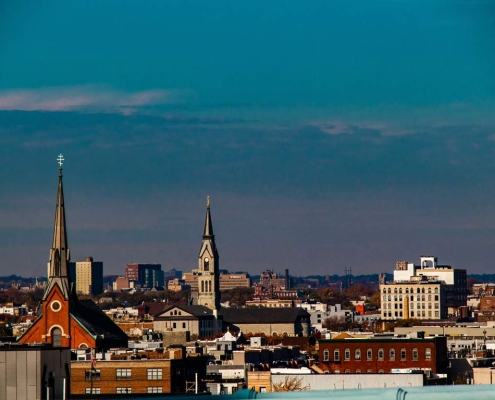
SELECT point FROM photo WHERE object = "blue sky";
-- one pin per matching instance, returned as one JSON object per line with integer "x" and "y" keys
{"x": 328, "y": 134}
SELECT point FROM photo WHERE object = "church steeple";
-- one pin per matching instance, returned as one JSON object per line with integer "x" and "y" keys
{"x": 59, "y": 252}
{"x": 208, "y": 266}
{"x": 208, "y": 232}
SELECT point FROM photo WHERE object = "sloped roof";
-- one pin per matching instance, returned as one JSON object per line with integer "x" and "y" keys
{"x": 342, "y": 335}
{"x": 197, "y": 311}
{"x": 96, "y": 322}
{"x": 152, "y": 308}
{"x": 253, "y": 315}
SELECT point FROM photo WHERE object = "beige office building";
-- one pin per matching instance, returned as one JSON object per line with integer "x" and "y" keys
{"x": 425, "y": 291}
{"x": 87, "y": 276}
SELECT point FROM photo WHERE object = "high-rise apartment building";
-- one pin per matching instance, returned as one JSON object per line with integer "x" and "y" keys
{"x": 145, "y": 275}
{"x": 87, "y": 276}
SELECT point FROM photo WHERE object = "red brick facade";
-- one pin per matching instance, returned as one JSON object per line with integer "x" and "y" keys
{"x": 57, "y": 316}
{"x": 381, "y": 355}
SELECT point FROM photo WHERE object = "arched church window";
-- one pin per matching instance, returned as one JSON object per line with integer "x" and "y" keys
{"x": 206, "y": 265}
{"x": 57, "y": 337}
{"x": 202, "y": 286}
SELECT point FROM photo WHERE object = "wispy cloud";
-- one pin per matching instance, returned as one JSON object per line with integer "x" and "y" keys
{"x": 89, "y": 98}
{"x": 339, "y": 127}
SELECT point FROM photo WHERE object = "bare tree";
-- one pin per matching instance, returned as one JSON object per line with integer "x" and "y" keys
{"x": 290, "y": 384}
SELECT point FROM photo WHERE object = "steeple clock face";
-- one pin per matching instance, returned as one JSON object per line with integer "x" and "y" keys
{"x": 206, "y": 264}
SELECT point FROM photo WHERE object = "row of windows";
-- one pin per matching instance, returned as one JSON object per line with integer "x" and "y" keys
{"x": 124, "y": 374}
{"x": 369, "y": 354}
{"x": 124, "y": 390}
{"x": 174, "y": 324}
{"x": 411, "y": 305}
{"x": 411, "y": 298}
{"x": 398, "y": 314}
{"x": 358, "y": 371}
{"x": 206, "y": 286}
{"x": 418, "y": 290}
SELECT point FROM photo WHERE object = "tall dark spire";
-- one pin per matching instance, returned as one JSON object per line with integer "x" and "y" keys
{"x": 59, "y": 252}
{"x": 208, "y": 232}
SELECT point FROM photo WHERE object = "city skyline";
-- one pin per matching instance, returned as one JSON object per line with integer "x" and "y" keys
{"x": 328, "y": 137}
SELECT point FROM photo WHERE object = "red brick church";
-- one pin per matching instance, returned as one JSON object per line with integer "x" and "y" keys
{"x": 63, "y": 319}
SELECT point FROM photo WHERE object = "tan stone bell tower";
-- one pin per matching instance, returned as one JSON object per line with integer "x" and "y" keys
{"x": 208, "y": 271}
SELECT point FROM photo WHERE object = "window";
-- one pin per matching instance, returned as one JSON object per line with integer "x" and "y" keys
{"x": 154, "y": 374}
{"x": 347, "y": 354}
{"x": 123, "y": 374}
{"x": 93, "y": 391}
{"x": 347, "y": 371}
{"x": 57, "y": 337}
{"x": 92, "y": 375}
{"x": 380, "y": 371}
{"x": 402, "y": 354}
{"x": 206, "y": 264}
{"x": 412, "y": 313}
{"x": 437, "y": 314}
{"x": 391, "y": 354}
{"x": 121, "y": 390}
{"x": 326, "y": 355}
{"x": 357, "y": 354}
{"x": 183, "y": 324}
{"x": 380, "y": 354}
{"x": 428, "y": 354}
{"x": 155, "y": 389}
{"x": 415, "y": 354}
{"x": 336, "y": 355}
{"x": 369, "y": 354}
{"x": 369, "y": 371}
{"x": 174, "y": 325}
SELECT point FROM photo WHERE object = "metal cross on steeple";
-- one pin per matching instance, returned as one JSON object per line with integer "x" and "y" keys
{"x": 60, "y": 160}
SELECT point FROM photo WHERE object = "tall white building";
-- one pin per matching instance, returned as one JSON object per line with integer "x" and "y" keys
{"x": 425, "y": 291}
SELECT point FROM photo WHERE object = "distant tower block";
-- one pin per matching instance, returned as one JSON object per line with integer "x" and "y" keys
{"x": 347, "y": 283}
